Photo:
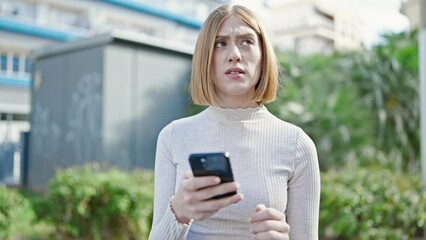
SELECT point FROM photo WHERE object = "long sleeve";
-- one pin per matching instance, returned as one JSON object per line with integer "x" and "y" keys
{"x": 274, "y": 162}
{"x": 304, "y": 191}
{"x": 165, "y": 225}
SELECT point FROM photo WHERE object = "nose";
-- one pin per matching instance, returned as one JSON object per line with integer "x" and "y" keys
{"x": 234, "y": 54}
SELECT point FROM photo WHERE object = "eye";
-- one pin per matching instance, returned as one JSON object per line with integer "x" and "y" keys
{"x": 219, "y": 44}
{"x": 247, "y": 42}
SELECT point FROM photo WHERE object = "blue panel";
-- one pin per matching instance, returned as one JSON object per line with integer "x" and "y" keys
{"x": 144, "y": 8}
{"x": 3, "y": 60}
{"x": 15, "y": 64}
{"x": 27, "y": 65}
{"x": 15, "y": 82}
{"x": 38, "y": 31}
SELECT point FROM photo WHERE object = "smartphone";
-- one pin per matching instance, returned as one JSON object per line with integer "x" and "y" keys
{"x": 213, "y": 164}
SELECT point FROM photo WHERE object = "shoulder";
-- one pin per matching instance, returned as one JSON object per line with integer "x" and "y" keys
{"x": 284, "y": 126}
{"x": 305, "y": 147}
{"x": 181, "y": 124}
{"x": 304, "y": 141}
{"x": 298, "y": 137}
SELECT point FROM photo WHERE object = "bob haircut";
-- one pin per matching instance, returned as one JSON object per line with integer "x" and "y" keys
{"x": 201, "y": 88}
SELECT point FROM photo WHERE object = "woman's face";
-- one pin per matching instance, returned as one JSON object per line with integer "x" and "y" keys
{"x": 237, "y": 57}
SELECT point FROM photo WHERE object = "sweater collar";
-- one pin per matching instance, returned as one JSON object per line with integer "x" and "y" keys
{"x": 236, "y": 114}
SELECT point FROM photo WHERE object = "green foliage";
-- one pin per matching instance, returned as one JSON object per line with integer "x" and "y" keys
{"x": 371, "y": 204}
{"x": 91, "y": 203}
{"x": 356, "y": 203}
{"x": 387, "y": 79}
{"x": 357, "y": 106}
{"x": 11, "y": 205}
{"x": 319, "y": 96}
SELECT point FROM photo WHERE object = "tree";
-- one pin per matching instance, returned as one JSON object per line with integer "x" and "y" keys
{"x": 388, "y": 82}
{"x": 319, "y": 96}
{"x": 357, "y": 106}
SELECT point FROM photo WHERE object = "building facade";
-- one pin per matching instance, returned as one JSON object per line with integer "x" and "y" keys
{"x": 313, "y": 27}
{"x": 411, "y": 9}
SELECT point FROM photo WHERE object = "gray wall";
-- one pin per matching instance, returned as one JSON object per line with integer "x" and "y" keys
{"x": 103, "y": 103}
{"x": 150, "y": 92}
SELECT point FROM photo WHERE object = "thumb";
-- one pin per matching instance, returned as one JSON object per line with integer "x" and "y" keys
{"x": 260, "y": 207}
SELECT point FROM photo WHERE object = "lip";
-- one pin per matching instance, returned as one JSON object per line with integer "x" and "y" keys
{"x": 235, "y": 70}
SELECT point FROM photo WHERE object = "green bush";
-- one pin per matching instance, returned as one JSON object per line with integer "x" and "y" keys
{"x": 319, "y": 96}
{"x": 387, "y": 79}
{"x": 90, "y": 203}
{"x": 11, "y": 205}
{"x": 355, "y": 104}
{"x": 86, "y": 203}
{"x": 371, "y": 204}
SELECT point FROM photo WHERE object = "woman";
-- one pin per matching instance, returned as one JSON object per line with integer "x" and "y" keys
{"x": 275, "y": 163}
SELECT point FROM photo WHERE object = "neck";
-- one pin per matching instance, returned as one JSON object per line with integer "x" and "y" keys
{"x": 237, "y": 103}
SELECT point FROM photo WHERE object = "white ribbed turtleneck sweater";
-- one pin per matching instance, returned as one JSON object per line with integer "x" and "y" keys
{"x": 275, "y": 163}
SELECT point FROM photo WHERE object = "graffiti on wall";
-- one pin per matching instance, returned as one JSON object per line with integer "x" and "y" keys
{"x": 47, "y": 130}
{"x": 84, "y": 117}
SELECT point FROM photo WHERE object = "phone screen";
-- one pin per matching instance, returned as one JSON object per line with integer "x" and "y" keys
{"x": 212, "y": 164}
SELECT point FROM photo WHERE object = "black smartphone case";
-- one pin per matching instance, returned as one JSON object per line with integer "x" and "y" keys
{"x": 213, "y": 164}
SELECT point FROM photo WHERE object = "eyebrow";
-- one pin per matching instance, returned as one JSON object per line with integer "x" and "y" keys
{"x": 238, "y": 36}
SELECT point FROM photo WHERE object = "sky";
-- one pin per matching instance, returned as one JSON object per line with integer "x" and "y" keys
{"x": 378, "y": 16}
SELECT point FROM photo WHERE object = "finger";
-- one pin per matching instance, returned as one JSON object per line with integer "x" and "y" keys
{"x": 219, "y": 189}
{"x": 204, "y": 209}
{"x": 270, "y": 225}
{"x": 260, "y": 207}
{"x": 197, "y": 183}
{"x": 266, "y": 214}
{"x": 271, "y": 235}
{"x": 216, "y": 204}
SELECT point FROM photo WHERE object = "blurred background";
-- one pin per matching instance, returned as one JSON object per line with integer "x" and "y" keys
{"x": 86, "y": 86}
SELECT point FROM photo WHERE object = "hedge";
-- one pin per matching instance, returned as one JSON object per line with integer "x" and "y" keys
{"x": 11, "y": 205}
{"x": 371, "y": 204}
{"x": 94, "y": 203}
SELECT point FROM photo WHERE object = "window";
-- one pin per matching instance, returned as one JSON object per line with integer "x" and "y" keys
{"x": 19, "y": 8}
{"x": 3, "y": 62}
{"x": 15, "y": 63}
{"x": 27, "y": 65}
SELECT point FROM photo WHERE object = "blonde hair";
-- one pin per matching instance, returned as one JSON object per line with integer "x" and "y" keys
{"x": 201, "y": 88}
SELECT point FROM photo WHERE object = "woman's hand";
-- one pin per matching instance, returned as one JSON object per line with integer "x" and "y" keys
{"x": 269, "y": 224}
{"x": 193, "y": 199}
